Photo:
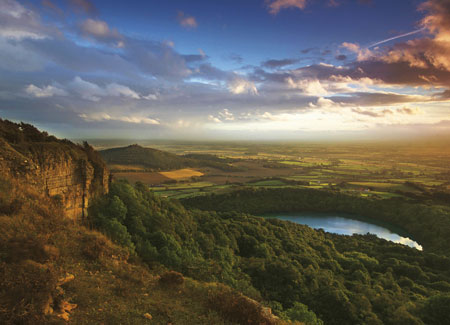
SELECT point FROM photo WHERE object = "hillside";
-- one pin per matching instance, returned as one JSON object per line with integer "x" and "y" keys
{"x": 159, "y": 262}
{"x": 72, "y": 173}
{"x": 153, "y": 159}
{"x": 54, "y": 270}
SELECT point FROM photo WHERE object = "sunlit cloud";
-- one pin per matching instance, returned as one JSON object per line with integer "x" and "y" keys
{"x": 47, "y": 91}
{"x": 186, "y": 20}
{"x": 91, "y": 91}
{"x": 241, "y": 86}
{"x": 276, "y": 5}
{"x": 127, "y": 119}
{"x": 79, "y": 67}
{"x": 99, "y": 30}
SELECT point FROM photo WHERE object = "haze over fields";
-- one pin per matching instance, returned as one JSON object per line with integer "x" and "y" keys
{"x": 254, "y": 69}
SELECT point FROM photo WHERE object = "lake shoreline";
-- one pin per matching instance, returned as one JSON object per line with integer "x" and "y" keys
{"x": 348, "y": 224}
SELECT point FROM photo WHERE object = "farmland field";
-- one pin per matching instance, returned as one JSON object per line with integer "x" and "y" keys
{"x": 376, "y": 170}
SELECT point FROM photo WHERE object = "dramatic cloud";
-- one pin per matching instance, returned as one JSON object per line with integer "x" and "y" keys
{"x": 241, "y": 86}
{"x": 18, "y": 22}
{"x": 47, "y": 91}
{"x": 93, "y": 92}
{"x": 100, "y": 30}
{"x": 186, "y": 20}
{"x": 79, "y": 70}
{"x": 427, "y": 58}
{"x": 276, "y": 5}
{"x": 362, "y": 53}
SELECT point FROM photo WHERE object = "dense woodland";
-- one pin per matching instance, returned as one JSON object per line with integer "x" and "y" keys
{"x": 428, "y": 223}
{"x": 302, "y": 274}
{"x": 293, "y": 268}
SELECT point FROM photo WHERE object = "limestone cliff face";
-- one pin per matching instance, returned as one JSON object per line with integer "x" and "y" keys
{"x": 70, "y": 173}
{"x": 73, "y": 182}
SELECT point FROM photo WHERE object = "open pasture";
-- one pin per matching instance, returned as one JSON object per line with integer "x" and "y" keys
{"x": 182, "y": 173}
{"x": 384, "y": 170}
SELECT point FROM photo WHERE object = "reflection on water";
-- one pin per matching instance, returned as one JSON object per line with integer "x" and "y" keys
{"x": 346, "y": 226}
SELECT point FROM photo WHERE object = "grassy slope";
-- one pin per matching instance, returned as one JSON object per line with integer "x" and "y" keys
{"x": 146, "y": 157}
{"x": 38, "y": 247}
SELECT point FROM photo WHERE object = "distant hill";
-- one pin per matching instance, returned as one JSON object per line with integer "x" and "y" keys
{"x": 135, "y": 155}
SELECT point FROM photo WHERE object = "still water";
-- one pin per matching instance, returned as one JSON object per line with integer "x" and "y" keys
{"x": 346, "y": 225}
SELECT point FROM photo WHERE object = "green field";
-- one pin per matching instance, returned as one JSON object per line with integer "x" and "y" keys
{"x": 363, "y": 170}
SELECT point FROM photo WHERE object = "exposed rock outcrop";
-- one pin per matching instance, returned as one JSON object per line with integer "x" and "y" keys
{"x": 71, "y": 173}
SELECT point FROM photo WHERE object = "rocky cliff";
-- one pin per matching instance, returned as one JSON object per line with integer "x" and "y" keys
{"x": 71, "y": 173}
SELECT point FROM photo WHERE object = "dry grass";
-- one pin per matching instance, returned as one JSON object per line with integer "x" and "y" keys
{"x": 181, "y": 173}
{"x": 38, "y": 248}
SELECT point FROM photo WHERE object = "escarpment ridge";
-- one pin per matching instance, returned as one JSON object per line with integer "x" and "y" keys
{"x": 69, "y": 172}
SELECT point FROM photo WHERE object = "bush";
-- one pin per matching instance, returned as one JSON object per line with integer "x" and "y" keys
{"x": 172, "y": 278}
{"x": 239, "y": 308}
{"x": 299, "y": 312}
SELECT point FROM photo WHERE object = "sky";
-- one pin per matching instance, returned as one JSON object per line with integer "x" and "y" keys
{"x": 227, "y": 69}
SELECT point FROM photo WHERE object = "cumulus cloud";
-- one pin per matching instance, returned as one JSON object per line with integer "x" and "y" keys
{"x": 47, "y": 91}
{"x": 149, "y": 82}
{"x": 309, "y": 87}
{"x": 276, "y": 5}
{"x": 100, "y": 30}
{"x": 93, "y": 92}
{"x": 362, "y": 53}
{"x": 18, "y": 22}
{"x": 323, "y": 103}
{"x": 186, "y": 21}
{"x": 427, "y": 52}
{"x": 409, "y": 111}
{"x": 372, "y": 113}
{"x": 114, "y": 89}
{"x": 87, "y": 90}
{"x": 242, "y": 86}
{"x": 128, "y": 118}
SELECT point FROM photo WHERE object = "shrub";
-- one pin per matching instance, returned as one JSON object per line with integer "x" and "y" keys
{"x": 172, "y": 278}
{"x": 300, "y": 312}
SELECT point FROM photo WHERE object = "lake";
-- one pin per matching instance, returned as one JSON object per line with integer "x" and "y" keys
{"x": 342, "y": 224}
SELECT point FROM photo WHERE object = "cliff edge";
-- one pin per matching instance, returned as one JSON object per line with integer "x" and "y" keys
{"x": 71, "y": 173}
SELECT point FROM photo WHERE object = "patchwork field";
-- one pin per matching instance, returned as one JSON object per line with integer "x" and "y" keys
{"x": 363, "y": 170}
